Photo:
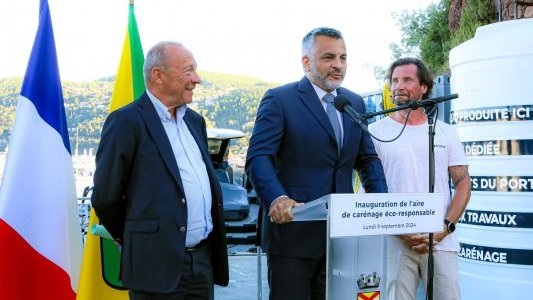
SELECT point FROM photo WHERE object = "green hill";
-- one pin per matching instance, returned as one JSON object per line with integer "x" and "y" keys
{"x": 226, "y": 101}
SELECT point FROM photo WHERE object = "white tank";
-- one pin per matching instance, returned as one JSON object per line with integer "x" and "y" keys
{"x": 493, "y": 75}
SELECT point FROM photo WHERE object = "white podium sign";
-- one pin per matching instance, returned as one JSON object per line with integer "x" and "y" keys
{"x": 357, "y": 226}
{"x": 377, "y": 214}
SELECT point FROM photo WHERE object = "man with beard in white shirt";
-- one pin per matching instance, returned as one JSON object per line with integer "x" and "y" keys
{"x": 407, "y": 171}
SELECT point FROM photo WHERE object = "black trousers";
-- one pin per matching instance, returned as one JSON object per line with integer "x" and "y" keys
{"x": 196, "y": 282}
{"x": 294, "y": 278}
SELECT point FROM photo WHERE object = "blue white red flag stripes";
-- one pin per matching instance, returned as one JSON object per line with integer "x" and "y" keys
{"x": 40, "y": 236}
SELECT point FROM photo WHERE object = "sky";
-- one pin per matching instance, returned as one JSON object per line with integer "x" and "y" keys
{"x": 247, "y": 37}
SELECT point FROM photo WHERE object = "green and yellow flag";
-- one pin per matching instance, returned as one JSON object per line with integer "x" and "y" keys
{"x": 129, "y": 83}
{"x": 99, "y": 278}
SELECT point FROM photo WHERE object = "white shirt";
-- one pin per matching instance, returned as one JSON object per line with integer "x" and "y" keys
{"x": 192, "y": 170}
{"x": 406, "y": 166}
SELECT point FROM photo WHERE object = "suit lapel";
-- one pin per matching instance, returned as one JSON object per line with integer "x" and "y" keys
{"x": 160, "y": 138}
{"x": 198, "y": 136}
{"x": 309, "y": 98}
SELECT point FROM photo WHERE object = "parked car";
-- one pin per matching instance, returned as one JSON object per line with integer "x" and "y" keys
{"x": 236, "y": 202}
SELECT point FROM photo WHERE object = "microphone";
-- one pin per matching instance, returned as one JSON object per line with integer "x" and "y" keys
{"x": 426, "y": 103}
{"x": 343, "y": 104}
{"x": 436, "y": 100}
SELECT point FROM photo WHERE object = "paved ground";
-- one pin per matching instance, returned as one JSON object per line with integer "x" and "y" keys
{"x": 243, "y": 278}
{"x": 243, "y": 264}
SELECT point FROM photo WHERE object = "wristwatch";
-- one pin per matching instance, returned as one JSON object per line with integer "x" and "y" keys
{"x": 450, "y": 226}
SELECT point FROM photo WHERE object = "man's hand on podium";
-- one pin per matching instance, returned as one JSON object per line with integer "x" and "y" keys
{"x": 280, "y": 211}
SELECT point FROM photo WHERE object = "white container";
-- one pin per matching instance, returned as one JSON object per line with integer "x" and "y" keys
{"x": 493, "y": 75}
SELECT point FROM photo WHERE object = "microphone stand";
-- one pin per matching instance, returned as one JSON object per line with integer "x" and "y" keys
{"x": 429, "y": 106}
{"x": 430, "y": 110}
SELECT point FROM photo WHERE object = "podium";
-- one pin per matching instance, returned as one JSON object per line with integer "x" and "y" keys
{"x": 357, "y": 229}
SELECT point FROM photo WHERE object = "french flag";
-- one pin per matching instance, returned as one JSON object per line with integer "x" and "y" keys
{"x": 40, "y": 236}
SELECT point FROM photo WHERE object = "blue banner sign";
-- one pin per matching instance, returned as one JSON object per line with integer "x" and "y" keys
{"x": 497, "y": 255}
{"x": 498, "y": 147}
{"x": 492, "y": 114}
{"x": 502, "y": 183}
{"x": 497, "y": 219}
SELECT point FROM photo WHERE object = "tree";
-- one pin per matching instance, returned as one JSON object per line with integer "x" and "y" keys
{"x": 436, "y": 44}
{"x": 425, "y": 35}
{"x": 477, "y": 13}
{"x": 414, "y": 27}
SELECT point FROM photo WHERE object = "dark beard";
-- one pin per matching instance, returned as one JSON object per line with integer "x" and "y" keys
{"x": 402, "y": 102}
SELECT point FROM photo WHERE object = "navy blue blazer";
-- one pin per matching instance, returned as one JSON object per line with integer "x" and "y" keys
{"x": 138, "y": 196}
{"x": 293, "y": 152}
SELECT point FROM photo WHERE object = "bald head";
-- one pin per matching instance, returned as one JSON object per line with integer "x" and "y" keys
{"x": 157, "y": 56}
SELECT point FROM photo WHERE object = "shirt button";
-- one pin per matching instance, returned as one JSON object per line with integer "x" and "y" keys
{"x": 183, "y": 201}
{"x": 182, "y": 229}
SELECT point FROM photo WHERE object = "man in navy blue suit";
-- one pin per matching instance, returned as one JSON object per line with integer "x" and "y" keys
{"x": 302, "y": 149}
{"x": 155, "y": 189}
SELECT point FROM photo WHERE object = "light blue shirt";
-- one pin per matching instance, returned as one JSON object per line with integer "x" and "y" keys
{"x": 193, "y": 172}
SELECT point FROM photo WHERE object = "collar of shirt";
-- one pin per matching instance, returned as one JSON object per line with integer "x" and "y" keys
{"x": 162, "y": 110}
{"x": 321, "y": 93}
